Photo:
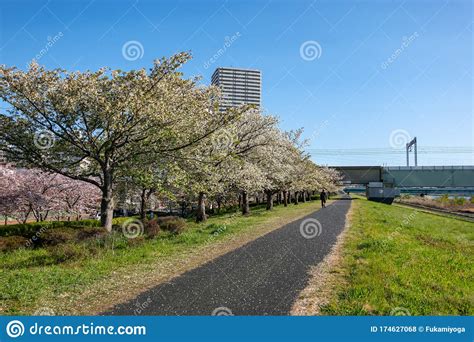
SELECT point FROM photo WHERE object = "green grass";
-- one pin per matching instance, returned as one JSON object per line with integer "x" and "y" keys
{"x": 31, "y": 277}
{"x": 399, "y": 260}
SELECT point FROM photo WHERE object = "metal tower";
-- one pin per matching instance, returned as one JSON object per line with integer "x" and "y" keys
{"x": 409, "y": 149}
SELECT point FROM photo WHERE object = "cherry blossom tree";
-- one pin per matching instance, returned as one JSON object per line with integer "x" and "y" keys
{"x": 91, "y": 126}
{"x": 26, "y": 192}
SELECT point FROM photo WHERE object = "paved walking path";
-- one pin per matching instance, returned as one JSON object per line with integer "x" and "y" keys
{"x": 263, "y": 277}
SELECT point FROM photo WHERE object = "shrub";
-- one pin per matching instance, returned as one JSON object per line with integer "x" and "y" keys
{"x": 173, "y": 224}
{"x": 444, "y": 199}
{"x": 55, "y": 237}
{"x": 152, "y": 228}
{"x": 67, "y": 252}
{"x": 459, "y": 200}
{"x": 30, "y": 229}
{"x": 10, "y": 243}
{"x": 90, "y": 233}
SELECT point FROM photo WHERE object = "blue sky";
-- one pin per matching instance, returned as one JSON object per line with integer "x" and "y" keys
{"x": 384, "y": 71}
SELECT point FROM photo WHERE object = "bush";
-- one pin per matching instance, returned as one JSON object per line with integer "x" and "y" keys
{"x": 67, "y": 252}
{"x": 173, "y": 224}
{"x": 459, "y": 200}
{"x": 30, "y": 229}
{"x": 10, "y": 243}
{"x": 90, "y": 233}
{"x": 444, "y": 199}
{"x": 55, "y": 237}
{"x": 152, "y": 228}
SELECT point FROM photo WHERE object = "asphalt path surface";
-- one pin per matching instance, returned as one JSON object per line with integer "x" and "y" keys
{"x": 263, "y": 277}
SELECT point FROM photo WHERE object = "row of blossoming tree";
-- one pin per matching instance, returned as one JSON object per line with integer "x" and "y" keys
{"x": 83, "y": 135}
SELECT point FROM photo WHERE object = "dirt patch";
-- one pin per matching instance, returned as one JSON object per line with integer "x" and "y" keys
{"x": 323, "y": 279}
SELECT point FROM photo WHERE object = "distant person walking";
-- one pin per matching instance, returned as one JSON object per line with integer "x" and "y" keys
{"x": 323, "y": 196}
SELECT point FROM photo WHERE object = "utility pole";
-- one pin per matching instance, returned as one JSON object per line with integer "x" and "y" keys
{"x": 409, "y": 147}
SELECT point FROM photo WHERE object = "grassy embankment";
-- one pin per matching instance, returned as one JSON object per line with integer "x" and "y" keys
{"x": 88, "y": 276}
{"x": 400, "y": 261}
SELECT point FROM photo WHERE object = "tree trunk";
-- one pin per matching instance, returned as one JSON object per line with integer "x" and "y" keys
{"x": 106, "y": 204}
{"x": 143, "y": 204}
{"x": 245, "y": 203}
{"x": 303, "y": 196}
{"x": 201, "y": 208}
{"x": 296, "y": 197}
{"x": 240, "y": 201}
{"x": 269, "y": 200}
{"x": 219, "y": 203}
{"x": 257, "y": 198}
{"x": 285, "y": 198}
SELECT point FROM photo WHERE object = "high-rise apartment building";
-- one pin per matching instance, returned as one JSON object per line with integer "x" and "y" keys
{"x": 238, "y": 86}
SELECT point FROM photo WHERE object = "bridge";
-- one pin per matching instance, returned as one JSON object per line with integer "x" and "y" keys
{"x": 384, "y": 183}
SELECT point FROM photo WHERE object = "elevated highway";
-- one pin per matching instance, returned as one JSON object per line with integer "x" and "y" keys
{"x": 379, "y": 179}
{"x": 409, "y": 176}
